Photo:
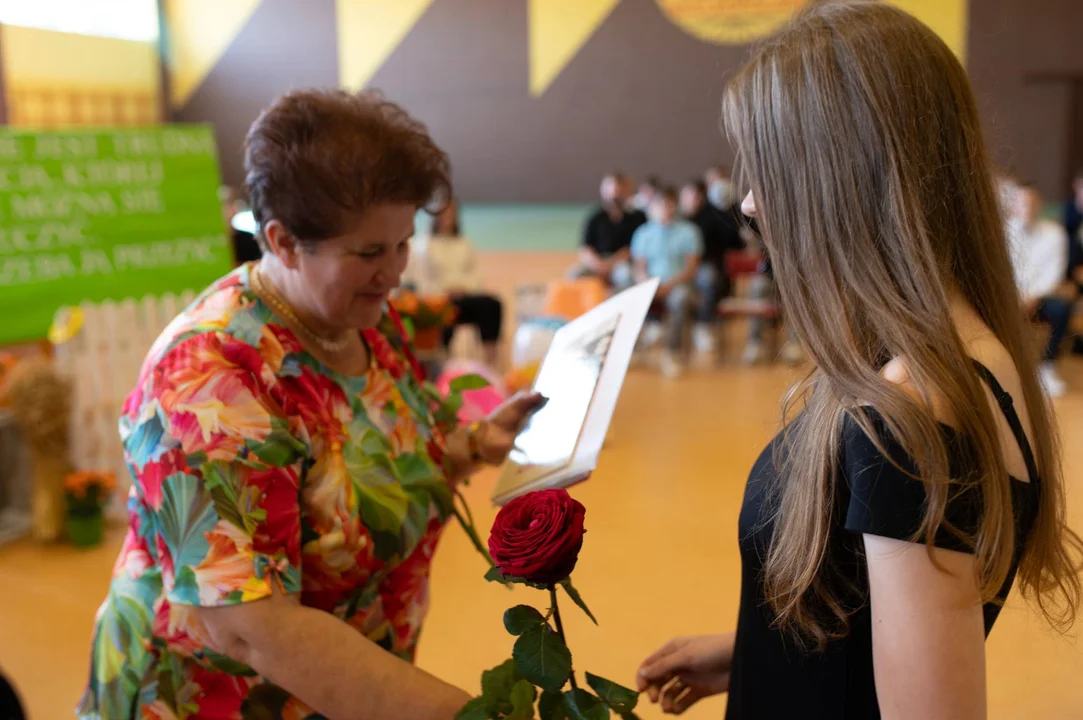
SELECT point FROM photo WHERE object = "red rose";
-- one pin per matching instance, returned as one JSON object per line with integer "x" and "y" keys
{"x": 538, "y": 536}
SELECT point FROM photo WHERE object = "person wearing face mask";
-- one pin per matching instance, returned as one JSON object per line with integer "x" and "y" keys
{"x": 289, "y": 479}
{"x": 719, "y": 187}
{"x": 721, "y": 234}
{"x": 647, "y": 192}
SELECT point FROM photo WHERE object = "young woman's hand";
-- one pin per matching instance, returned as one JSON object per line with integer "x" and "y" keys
{"x": 685, "y": 670}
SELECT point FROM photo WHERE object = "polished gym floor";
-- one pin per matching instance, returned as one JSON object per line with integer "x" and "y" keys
{"x": 660, "y": 559}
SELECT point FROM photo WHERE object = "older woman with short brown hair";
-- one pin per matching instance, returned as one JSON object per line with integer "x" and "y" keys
{"x": 290, "y": 481}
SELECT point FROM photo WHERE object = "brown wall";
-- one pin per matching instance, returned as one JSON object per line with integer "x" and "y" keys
{"x": 1015, "y": 46}
{"x": 641, "y": 94}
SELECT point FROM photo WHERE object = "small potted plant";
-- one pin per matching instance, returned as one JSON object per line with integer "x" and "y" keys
{"x": 85, "y": 494}
{"x": 426, "y": 317}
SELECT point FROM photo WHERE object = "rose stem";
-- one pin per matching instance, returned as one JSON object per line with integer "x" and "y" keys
{"x": 560, "y": 629}
{"x": 471, "y": 529}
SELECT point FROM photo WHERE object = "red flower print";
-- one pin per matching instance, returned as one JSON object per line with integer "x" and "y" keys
{"x": 280, "y": 530}
{"x": 318, "y": 401}
{"x": 436, "y": 448}
{"x": 211, "y": 404}
{"x": 222, "y": 695}
{"x": 165, "y": 562}
{"x": 134, "y": 558}
{"x": 386, "y": 356}
{"x": 155, "y": 472}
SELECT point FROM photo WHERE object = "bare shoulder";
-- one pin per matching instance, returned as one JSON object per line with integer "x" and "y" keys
{"x": 986, "y": 350}
{"x": 991, "y": 353}
{"x": 897, "y": 372}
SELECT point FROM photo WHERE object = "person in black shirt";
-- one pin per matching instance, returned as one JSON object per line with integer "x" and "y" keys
{"x": 720, "y": 230}
{"x": 1073, "y": 209}
{"x": 916, "y": 481}
{"x": 607, "y": 237}
{"x": 1073, "y": 223}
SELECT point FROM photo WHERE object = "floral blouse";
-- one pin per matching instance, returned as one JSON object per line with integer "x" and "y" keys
{"x": 254, "y": 467}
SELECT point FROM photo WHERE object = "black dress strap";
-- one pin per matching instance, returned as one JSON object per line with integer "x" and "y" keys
{"x": 1007, "y": 406}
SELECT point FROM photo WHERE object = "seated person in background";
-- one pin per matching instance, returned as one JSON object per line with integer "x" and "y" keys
{"x": 644, "y": 196}
{"x": 720, "y": 190}
{"x": 608, "y": 235}
{"x": 444, "y": 262}
{"x": 1073, "y": 210}
{"x": 669, "y": 248}
{"x": 1039, "y": 251}
{"x": 720, "y": 232}
{"x": 763, "y": 288}
{"x": 1073, "y": 222}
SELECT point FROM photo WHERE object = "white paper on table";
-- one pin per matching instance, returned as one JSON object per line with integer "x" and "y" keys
{"x": 582, "y": 375}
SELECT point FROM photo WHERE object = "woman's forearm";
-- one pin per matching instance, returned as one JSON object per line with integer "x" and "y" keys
{"x": 343, "y": 675}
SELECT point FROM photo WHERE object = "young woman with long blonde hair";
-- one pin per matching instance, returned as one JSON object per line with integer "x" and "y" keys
{"x": 918, "y": 478}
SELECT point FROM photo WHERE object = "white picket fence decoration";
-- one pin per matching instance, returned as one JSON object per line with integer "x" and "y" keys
{"x": 103, "y": 360}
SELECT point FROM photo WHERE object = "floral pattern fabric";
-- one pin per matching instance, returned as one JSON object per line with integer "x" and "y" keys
{"x": 257, "y": 467}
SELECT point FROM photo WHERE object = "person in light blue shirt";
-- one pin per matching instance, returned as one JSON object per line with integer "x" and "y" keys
{"x": 670, "y": 249}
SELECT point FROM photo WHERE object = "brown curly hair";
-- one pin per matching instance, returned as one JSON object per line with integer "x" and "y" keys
{"x": 315, "y": 160}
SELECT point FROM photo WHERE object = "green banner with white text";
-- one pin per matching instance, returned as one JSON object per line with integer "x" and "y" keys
{"x": 105, "y": 214}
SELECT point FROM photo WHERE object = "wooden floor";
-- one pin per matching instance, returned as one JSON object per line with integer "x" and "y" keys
{"x": 660, "y": 559}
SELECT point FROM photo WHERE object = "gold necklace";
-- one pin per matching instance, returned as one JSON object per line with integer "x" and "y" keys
{"x": 265, "y": 290}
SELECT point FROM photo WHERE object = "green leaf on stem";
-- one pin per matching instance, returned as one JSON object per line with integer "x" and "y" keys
{"x": 468, "y": 382}
{"x": 566, "y": 583}
{"x": 551, "y": 706}
{"x": 496, "y": 685}
{"x": 522, "y": 701}
{"x": 476, "y": 709}
{"x": 617, "y": 697}
{"x": 494, "y": 575}
{"x": 582, "y": 705}
{"x": 521, "y": 619}
{"x": 542, "y": 658}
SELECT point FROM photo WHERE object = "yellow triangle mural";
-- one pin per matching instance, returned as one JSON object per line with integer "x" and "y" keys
{"x": 200, "y": 31}
{"x": 558, "y": 29}
{"x": 948, "y": 18}
{"x": 368, "y": 32}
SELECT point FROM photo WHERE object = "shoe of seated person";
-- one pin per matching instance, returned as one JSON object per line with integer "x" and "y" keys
{"x": 1051, "y": 380}
{"x": 651, "y": 334}
{"x": 703, "y": 338}
{"x": 671, "y": 365}
{"x": 792, "y": 354}
{"x": 754, "y": 354}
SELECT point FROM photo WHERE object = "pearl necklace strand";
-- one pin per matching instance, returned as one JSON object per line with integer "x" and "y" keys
{"x": 266, "y": 291}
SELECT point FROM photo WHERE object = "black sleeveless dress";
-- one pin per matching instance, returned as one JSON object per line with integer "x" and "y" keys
{"x": 773, "y": 677}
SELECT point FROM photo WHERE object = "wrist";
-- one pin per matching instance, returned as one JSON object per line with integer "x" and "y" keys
{"x": 473, "y": 443}
{"x": 478, "y": 453}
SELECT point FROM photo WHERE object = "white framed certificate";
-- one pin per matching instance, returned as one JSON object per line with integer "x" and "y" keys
{"x": 582, "y": 375}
